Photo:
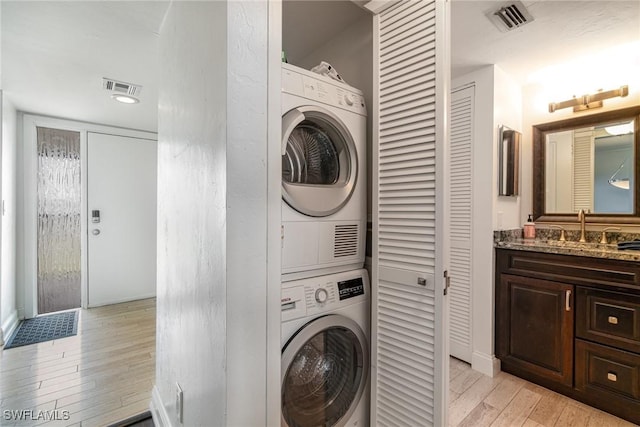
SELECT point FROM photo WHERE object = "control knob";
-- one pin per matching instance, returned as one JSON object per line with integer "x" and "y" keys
{"x": 321, "y": 295}
{"x": 349, "y": 98}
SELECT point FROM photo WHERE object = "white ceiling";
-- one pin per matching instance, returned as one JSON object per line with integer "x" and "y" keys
{"x": 561, "y": 30}
{"x": 54, "y": 54}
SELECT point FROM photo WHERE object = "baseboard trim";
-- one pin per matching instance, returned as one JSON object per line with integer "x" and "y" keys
{"x": 9, "y": 326}
{"x": 487, "y": 364}
{"x": 158, "y": 410}
{"x": 123, "y": 300}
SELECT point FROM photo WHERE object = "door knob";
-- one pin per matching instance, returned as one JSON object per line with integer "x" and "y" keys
{"x": 95, "y": 231}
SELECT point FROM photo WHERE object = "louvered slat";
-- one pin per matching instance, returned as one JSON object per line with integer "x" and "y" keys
{"x": 460, "y": 217}
{"x": 405, "y": 205}
{"x": 583, "y": 148}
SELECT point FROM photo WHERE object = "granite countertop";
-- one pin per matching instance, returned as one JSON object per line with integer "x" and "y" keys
{"x": 595, "y": 250}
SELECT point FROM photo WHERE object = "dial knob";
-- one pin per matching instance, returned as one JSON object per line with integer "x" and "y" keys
{"x": 321, "y": 295}
{"x": 349, "y": 98}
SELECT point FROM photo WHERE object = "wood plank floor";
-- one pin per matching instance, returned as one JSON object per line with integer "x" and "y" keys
{"x": 102, "y": 375}
{"x": 105, "y": 374}
{"x": 476, "y": 400}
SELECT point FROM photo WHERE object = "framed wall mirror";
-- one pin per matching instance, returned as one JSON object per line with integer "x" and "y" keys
{"x": 590, "y": 163}
{"x": 509, "y": 162}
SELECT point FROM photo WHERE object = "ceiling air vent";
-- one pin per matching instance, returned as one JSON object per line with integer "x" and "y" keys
{"x": 116, "y": 86}
{"x": 510, "y": 16}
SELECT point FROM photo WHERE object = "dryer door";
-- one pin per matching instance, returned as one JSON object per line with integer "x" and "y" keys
{"x": 319, "y": 161}
{"x": 325, "y": 367}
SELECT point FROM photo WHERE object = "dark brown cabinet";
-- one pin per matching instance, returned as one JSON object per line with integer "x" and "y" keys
{"x": 537, "y": 327}
{"x": 571, "y": 324}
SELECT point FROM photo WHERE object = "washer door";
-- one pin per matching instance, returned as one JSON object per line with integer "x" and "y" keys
{"x": 319, "y": 161}
{"x": 325, "y": 367}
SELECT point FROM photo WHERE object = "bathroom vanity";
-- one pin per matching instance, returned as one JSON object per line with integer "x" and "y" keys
{"x": 568, "y": 318}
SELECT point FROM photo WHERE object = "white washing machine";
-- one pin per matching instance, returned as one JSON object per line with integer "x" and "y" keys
{"x": 323, "y": 175}
{"x": 325, "y": 351}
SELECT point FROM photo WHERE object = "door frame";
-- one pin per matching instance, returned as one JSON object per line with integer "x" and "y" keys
{"x": 27, "y": 291}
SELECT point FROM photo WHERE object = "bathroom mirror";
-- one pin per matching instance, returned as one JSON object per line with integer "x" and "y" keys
{"x": 591, "y": 163}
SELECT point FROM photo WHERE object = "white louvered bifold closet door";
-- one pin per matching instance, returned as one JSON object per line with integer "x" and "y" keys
{"x": 583, "y": 163}
{"x": 405, "y": 384}
{"x": 460, "y": 217}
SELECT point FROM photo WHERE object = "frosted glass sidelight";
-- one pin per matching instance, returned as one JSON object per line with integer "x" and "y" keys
{"x": 58, "y": 219}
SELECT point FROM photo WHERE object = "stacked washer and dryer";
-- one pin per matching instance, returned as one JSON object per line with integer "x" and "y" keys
{"x": 325, "y": 292}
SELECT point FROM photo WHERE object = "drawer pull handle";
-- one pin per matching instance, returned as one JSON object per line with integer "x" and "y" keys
{"x": 613, "y": 320}
{"x": 612, "y": 377}
{"x": 567, "y": 301}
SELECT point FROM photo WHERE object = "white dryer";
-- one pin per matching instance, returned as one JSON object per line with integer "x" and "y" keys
{"x": 325, "y": 351}
{"x": 323, "y": 175}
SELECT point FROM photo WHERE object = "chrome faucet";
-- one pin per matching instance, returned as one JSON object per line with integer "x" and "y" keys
{"x": 582, "y": 218}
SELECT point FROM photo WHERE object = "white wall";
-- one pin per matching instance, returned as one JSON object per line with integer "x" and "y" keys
{"x": 507, "y": 110}
{"x": 351, "y": 53}
{"x": 8, "y": 263}
{"x": 215, "y": 317}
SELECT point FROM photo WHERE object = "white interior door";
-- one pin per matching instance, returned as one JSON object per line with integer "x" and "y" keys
{"x": 409, "y": 344}
{"x": 121, "y": 187}
{"x": 461, "y": 215}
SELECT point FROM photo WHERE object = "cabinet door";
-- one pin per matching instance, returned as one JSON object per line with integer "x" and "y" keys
{"x": 535, "y": 328}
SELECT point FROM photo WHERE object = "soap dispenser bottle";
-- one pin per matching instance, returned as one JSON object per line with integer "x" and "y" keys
{"x": 529, "y": 228}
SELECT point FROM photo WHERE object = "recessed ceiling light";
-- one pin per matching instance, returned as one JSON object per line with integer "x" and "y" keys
{"x": 125, "y": 99}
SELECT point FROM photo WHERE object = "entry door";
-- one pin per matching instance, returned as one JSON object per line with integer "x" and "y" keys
{"x": 121, "y": 202}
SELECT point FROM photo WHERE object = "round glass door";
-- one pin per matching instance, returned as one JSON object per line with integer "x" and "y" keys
{"x": 319, "y": 161}
{"x": 324, "y": 373}
{"x": 311, "y": 156}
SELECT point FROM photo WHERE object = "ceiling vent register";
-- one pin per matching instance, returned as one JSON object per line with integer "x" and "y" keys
{"x": 510, "y": 16}
{"x": 116, "y": 86}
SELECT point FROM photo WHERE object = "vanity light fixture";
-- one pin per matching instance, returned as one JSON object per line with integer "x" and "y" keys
{"x": 590, "y": 101}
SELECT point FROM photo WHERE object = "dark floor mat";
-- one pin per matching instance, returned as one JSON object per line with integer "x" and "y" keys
{"x": 44, "y": 328}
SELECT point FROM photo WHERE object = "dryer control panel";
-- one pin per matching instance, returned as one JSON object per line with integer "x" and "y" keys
{"x": 333, "y": 95}
{"x": 301, "y": 82}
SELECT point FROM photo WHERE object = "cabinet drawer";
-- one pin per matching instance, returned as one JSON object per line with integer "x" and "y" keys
{"x": 609, "y": 318}
{"x": 570, "y": 269}
{"x": 610, "y": 376}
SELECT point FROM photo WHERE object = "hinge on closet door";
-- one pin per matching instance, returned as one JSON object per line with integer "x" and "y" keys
{"x": 447, "y": 282}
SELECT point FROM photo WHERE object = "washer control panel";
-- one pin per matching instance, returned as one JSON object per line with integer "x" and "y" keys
{"x": 318, "y": 295}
